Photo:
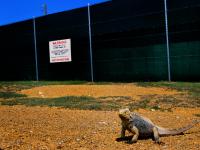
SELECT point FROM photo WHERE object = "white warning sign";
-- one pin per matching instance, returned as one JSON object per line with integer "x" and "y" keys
{"x": 60, "y": 51}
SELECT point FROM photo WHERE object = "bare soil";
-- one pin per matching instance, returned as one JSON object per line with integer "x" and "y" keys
{"x": 135, "y": 92}
{"x": 44, "y": 128}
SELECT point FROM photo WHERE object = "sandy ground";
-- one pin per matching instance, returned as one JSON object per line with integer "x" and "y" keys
{"x": 96, "y": 91}
{"x": 44, "y": 128}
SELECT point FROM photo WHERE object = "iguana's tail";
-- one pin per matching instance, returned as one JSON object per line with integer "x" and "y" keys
{"x": 167, "y": 132}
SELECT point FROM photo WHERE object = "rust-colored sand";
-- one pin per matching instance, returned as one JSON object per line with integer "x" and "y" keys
{"x": 44, "y": 128}
{"x": 96, "y": 91}
{"x": 53, "y": 128}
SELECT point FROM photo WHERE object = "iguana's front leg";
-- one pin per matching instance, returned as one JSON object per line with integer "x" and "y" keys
{"x": 135, "y": 132}
{"x": 122, "y": 136}
{"x": 123, "y": 130}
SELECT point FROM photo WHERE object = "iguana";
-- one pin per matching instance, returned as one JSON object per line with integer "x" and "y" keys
{"x": 143, "y": 127}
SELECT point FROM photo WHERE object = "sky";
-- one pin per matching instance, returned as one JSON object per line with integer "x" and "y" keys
{"x": 18, "y": 10}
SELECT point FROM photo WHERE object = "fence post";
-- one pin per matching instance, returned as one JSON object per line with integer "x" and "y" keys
{"x": 167, "y": 41}
{"x": 35, "y": 47}
{"x": 90, "y": 42}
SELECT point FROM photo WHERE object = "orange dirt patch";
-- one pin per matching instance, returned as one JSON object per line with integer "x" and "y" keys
{"x": 43, "y": 128}
{"x": 96, "y": 91}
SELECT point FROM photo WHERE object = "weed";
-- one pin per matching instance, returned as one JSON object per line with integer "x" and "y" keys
{"x": 7, "y": 95}
{"x": 72, "y": 102}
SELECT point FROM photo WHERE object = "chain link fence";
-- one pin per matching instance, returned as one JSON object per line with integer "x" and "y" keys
{"x": 128, "y": 43}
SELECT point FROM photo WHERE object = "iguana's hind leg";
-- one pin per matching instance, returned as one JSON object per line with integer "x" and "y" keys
{"x": 135, "y": 132}
{"x": 156, "y": 135}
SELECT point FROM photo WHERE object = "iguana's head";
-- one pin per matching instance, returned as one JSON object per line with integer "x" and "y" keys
{"x": 124, "y": 114}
